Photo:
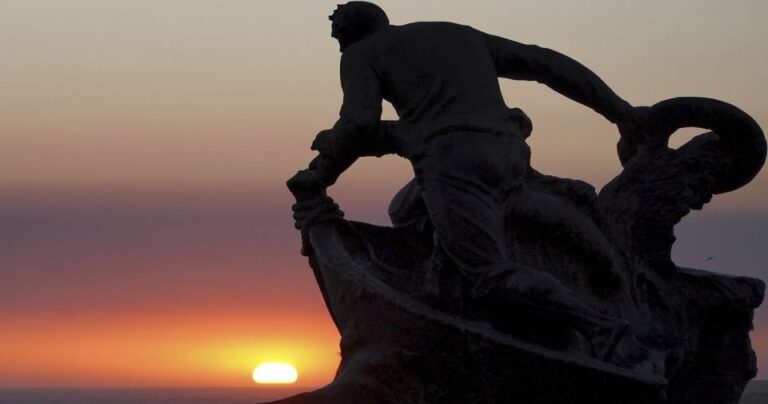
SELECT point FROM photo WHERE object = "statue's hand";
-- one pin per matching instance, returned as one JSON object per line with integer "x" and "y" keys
{"x": 312, "y": 204}
{"x": 306, "y": 183}
{"x": 633, "y": 133}
{"x": 325, "y": 143}
{"x": 634, "y": 124}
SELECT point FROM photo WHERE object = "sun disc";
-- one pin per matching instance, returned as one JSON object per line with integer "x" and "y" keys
{"x": 275, "y": 373}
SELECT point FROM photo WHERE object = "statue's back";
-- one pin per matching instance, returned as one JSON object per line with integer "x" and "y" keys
{"x": 435, "y": 74}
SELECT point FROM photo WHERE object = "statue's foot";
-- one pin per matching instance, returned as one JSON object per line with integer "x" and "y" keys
{"x": 607, "y": 340}
{"x": 621, "y": 347}
{"x": 537, "y": 290}
{"x": 508, "y": 293}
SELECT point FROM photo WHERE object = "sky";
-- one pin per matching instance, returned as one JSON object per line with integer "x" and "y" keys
{"x": 145, "y": 229}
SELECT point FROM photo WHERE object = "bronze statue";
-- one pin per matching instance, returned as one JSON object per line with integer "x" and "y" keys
{"x": 487, "y": 241}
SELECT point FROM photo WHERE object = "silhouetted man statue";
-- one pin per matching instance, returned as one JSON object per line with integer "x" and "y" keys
{"x": 470, "y": 159}
{"x": 499, "y": 284}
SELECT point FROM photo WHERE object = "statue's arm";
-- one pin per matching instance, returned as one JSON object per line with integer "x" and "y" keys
{"x": 568, "y": 77}
{"x": 382, "y": 142}
{"x": 360, "y": 113}
{"x": 355, "y": 133}
{"x": 379, "y": 144}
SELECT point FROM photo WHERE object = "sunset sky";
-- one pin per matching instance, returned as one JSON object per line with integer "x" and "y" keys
{"x": 145, "y": 229}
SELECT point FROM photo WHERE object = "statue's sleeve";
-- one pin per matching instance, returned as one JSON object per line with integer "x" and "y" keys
{"x": 360, "y": 113}
{"x": 356, "y": 133}
{"x": 568, "y": 77}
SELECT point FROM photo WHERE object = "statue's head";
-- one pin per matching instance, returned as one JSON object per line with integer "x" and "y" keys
{"x": 355, "y": 20}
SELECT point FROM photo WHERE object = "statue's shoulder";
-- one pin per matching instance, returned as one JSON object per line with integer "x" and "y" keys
{"x": 436, "y": 26}
{"x": 417, "y": 34}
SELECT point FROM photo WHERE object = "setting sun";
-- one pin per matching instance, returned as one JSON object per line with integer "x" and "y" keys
{"x": 275, "y": 373}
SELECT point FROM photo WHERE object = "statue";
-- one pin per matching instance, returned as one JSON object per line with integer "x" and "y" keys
{"x": 498, "y": 283}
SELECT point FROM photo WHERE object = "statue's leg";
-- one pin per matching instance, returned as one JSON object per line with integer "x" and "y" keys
{"x": 466, "y": 180}
{"x": 461, "y": 179}
{"x": 555, "y": 214}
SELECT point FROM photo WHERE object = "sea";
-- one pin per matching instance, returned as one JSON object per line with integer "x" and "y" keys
{"x": 756, "y": 393}
{"x": 149, "y": 395}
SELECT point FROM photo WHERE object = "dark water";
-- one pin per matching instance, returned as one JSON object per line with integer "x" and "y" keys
{"x": 144, "y": 395}
{"x": 756, "y": 393}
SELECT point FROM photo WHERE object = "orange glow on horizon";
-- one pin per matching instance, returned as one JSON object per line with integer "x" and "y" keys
{"x": 183, "y": 350}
